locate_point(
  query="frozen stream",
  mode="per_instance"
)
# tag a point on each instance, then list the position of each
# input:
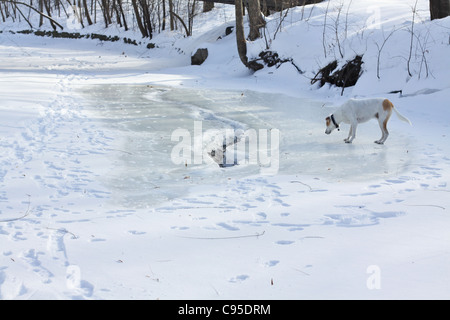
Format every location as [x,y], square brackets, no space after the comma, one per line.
[144,120]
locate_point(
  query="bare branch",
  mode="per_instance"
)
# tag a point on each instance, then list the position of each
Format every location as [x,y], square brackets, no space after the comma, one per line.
[39,12]
[182,22]
[412,37]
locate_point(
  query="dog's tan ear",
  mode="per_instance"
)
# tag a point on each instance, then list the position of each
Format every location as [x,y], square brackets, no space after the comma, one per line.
[327,119]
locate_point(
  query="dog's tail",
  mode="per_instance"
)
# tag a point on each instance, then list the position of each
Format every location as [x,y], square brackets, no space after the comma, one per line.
[403,118]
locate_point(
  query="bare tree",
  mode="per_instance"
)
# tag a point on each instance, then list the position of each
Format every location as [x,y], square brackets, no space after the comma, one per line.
[86,12]
[146,15]
[119,3]
[414,11]
[105,10]
[336,30]
[380,48]
[16,3]
[139,19]
[324,31]
[191,6]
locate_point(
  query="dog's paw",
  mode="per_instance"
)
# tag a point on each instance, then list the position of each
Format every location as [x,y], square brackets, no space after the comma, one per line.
[348,141]
[379,142]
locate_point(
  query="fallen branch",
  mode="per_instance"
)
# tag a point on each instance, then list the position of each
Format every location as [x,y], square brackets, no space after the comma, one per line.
[271,58]
[21,217]
[199,207]
[425,205]
[306,185]
[182,22]
[257,235]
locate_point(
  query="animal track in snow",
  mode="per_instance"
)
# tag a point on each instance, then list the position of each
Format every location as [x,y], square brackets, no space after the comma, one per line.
[239,278]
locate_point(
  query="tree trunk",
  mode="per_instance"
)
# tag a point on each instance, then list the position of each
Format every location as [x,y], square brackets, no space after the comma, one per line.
[138,19]
[47,7]
[191,15]
[146,17]
[172,25]
[3,16]
[119,2]
[80,13]
[106,16]
[256,19]
[86,12]
[240,37]
[164,15]
[207,6]
[41,9]
[439,9]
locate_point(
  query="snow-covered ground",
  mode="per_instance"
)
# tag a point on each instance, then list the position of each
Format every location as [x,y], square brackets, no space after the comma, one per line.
[93,207]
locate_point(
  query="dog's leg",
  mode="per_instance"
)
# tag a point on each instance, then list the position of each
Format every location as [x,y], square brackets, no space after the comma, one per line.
[352,133]
[384,130]
[381,140]
[349,135]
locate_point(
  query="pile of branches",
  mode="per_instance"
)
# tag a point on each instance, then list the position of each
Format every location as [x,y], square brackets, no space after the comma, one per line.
[344,77]
[271,59]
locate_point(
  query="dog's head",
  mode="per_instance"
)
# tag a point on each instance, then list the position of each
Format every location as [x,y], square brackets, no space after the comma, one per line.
[331,124]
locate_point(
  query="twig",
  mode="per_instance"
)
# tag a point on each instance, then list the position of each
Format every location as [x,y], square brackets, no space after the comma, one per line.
[21,217]
[412,38]
[64,230]
[111,149]
[425,205]
[199,207]
[257,235]
[424,50]
[312,237]
[23,16]
[307,185]
[305,273]
[282,17]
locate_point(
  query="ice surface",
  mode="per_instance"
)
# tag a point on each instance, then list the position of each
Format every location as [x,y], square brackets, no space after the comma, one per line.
[144,118]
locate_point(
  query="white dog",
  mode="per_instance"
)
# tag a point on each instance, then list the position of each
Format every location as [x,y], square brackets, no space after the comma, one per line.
[356,111]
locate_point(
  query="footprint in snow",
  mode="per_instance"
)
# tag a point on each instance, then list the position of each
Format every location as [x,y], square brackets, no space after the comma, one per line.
[262,215]
[272,263]
[239,278]
[79,289]
[11,287]
[135,232]
[227,226]
[31,258]
[284,242]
